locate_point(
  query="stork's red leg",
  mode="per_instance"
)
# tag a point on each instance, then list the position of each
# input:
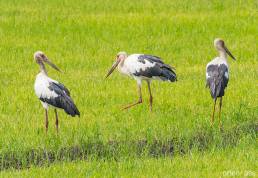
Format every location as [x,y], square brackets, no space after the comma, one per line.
[56,121]
[212,116]
[46,121]
[151,98]
[138,102]
[220,105]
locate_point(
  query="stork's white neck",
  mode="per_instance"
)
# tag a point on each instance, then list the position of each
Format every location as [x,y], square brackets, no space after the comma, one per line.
[43,68]
[223,54]
[122,68]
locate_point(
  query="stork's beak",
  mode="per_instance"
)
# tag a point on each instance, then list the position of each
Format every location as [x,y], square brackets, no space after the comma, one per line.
[113,68]
[229,53]
[52,64]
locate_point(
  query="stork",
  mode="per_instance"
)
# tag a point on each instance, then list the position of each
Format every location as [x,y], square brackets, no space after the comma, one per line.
[143,67]
[217,75]
[52,93]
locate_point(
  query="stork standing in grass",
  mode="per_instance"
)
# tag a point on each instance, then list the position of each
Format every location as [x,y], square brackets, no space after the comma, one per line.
[51,92]
[217,75]
[143,67]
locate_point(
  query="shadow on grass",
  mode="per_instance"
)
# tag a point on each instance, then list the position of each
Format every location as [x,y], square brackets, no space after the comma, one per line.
[203,139]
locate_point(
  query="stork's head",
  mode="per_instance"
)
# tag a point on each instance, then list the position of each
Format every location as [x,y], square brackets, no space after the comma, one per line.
[220,46]
[120,57]
[40,58]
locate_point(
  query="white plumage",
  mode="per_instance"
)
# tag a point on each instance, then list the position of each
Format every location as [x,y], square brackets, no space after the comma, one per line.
[143,67]
[50,92]
[217,74]
[42,90]
[218,61]
[131,65]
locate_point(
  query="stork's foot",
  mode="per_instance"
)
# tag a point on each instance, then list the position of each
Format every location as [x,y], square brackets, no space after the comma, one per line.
[131,105]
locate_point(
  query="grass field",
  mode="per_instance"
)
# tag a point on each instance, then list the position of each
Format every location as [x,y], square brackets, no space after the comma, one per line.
[82,38]
[237,164]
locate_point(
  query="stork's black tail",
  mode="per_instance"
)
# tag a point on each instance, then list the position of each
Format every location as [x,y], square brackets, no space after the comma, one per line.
[169,74]
[69,107]
[217,88]
[62,100]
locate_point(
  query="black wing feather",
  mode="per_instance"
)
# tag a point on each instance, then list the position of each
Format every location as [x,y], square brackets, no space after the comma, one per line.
[217,81]
[63,100]
[151,58]
[160,69]
[62,87]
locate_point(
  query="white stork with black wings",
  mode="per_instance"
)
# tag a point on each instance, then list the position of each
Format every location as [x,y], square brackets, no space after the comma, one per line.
[51,92]
[143,67]
[217,74]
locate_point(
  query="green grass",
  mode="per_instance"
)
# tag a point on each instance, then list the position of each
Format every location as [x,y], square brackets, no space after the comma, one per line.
[83,37]
[227,163]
